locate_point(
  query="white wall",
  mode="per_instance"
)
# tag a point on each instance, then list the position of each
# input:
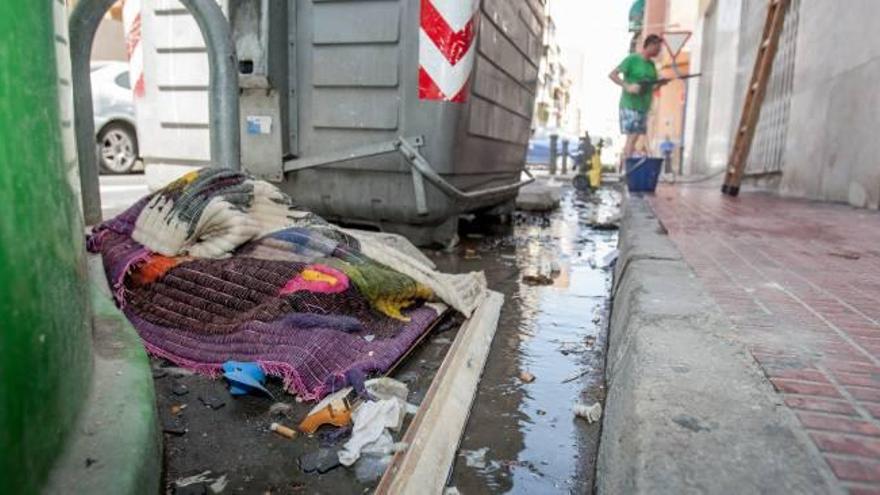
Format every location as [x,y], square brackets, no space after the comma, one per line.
[690,121]
[833,150]
[716,114]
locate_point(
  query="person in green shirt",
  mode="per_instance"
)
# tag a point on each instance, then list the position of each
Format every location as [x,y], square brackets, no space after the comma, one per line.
[635,102]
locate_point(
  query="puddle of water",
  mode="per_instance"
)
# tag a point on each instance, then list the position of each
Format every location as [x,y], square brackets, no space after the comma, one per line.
[526,435]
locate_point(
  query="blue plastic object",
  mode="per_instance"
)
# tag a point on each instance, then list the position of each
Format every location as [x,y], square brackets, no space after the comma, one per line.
[244,378]
[642,173]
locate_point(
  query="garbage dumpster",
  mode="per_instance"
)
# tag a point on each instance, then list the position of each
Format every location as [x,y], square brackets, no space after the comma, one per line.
[394,114]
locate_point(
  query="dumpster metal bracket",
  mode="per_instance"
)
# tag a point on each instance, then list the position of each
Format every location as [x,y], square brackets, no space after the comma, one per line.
[421,170]
[347,155]
[410,151]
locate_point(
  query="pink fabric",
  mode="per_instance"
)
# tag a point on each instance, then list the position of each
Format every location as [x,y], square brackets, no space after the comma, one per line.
[300,282]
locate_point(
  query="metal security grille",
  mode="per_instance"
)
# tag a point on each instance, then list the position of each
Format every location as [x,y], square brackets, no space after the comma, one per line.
[768,148]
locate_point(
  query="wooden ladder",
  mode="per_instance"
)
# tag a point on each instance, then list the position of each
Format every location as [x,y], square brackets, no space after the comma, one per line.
[755,96]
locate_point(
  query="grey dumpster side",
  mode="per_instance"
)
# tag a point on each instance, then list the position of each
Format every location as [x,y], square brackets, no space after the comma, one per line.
[358,122]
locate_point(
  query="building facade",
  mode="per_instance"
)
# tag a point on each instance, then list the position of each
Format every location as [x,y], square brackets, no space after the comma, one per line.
[815,137]
[668,114]
[553,98]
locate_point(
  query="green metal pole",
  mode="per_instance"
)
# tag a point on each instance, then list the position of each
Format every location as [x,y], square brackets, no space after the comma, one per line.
[45,350]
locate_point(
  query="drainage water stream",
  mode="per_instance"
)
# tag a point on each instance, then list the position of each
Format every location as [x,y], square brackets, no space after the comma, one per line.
[523,437]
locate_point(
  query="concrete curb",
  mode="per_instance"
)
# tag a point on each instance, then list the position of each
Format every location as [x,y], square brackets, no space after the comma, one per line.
[688,410]
[115,447]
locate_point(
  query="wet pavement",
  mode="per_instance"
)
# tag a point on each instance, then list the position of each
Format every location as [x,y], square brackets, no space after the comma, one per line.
[521,437]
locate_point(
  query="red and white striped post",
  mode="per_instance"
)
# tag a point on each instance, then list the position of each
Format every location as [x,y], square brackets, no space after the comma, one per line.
[447,48]
[131,22]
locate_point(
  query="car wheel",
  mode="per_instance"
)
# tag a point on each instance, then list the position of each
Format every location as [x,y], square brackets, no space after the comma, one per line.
[117,148]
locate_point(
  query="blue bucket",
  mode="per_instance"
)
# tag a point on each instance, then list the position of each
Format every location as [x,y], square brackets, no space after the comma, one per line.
[642,173]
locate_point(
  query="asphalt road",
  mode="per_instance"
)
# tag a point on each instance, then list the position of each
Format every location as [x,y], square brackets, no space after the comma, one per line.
[118,192]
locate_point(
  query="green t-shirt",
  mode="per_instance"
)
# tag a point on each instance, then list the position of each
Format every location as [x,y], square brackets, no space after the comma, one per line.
[636,69]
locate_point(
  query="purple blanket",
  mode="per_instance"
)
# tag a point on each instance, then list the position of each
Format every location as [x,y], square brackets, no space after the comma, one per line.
[283,301]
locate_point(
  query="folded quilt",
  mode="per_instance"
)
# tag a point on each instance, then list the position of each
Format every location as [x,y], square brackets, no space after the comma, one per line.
[220,266]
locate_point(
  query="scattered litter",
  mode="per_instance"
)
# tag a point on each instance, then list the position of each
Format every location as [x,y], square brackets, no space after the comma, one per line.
[590,413]
[203,477]
[179,389]
[219,484]
[610,223]
[849,255]
[387,388]
[280,409]
[471,254]
[337,413]
[475,458]
[177,409]
[212,402]
[541,273]
[322,461]
[526,377]
[244,378]
[376,457]
[370,422]
[609,259]
[576,376]
[569,347]
[331,437]
[408,377]
[370,468]
[283,430]
[441,341]
[175,429]
[342,394]
[369,338]
[380,446]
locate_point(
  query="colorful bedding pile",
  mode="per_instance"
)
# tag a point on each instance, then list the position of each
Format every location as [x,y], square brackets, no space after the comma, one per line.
[220,266]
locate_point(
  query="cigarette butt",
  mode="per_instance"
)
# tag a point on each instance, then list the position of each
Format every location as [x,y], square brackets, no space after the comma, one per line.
[177,409]
[282,430]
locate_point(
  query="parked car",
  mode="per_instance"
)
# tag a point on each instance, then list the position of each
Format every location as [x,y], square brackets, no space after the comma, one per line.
[116,131]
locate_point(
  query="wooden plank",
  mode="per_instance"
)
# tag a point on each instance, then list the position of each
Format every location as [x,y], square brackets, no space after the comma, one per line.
[436,430]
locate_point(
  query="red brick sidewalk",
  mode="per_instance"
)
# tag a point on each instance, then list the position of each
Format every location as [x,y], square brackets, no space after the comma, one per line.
[801,283]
